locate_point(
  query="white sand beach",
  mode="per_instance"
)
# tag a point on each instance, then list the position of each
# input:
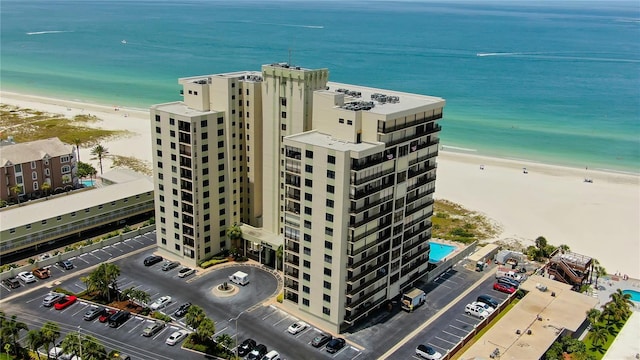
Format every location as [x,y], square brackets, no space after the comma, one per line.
[600,219]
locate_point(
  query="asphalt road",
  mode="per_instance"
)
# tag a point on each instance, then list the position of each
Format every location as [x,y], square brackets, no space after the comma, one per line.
[264,324]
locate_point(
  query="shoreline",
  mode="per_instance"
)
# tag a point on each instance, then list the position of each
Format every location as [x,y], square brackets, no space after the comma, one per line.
[598,219]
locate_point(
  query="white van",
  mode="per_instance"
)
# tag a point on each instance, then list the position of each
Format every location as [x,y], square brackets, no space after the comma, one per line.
[239,278]
[271,355]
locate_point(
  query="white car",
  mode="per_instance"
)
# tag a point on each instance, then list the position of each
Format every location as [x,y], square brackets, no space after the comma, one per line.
[297,327]
[427,352]
[488,308]
[184,272]
[176,337]
[51,298]
[27,277]
[476,311]
[160,303]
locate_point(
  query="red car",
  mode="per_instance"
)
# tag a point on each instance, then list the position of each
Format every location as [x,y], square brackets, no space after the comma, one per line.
[64,302]
[504,288]
[106,315]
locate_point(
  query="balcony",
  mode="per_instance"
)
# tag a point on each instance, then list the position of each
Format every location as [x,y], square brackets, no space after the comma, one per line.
[368,190]
[292,180]
[421,230]
[291,284]
[379,276]
[185,150]
[420,195]
[293,154]
[418,170]
[356,224]
[292,259]
[389,129]
[292,272]
[362,312]
[364,179]
[382,263]
[422,180]
[379,251]
[293,209]
[410,210]
[407,247]
[362,300]
[293,247]
[354,209]
[360,164]
[185,162]
[295,195]
[423,158]
[291,167]
[418,220]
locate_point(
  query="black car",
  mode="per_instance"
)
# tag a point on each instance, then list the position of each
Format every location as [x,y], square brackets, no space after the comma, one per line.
[65,264]
[246,347]
[257,353]
[93,313]
[321,339]
[335,344]
[488,300]
[153,259]
[182,310]
[509,281]
[11,283]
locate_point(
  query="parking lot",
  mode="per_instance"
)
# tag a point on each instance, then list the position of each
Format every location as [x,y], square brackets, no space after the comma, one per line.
[451,326]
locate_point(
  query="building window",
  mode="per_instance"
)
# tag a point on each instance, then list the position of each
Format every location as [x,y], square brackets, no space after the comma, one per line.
[327,271]
[172,133]
[158,131]
[330,189]
[284,114]
[35,185]
[307,210]
[307,251]
[331,174]
[172,121]
[306,276]
[158,142]
[283,101]
[307,224]
[328,245]
[47,172]
[34,176]
[64,159]
[349,122]
[326,310]
[305,289]
[157,117]
[205,136]
[65,169]
[306,263]
[28,226]
[328,231]
[307,237]
[331,159]
[33,165]
[327,285]
[203,123]
[283,127]
[341,121]
[329,217]
[328,258]
[305,302]
[329,203]
[308,197]
[308,168]
[308,154]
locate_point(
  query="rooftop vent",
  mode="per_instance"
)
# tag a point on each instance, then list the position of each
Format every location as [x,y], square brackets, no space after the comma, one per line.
[383,98]
[359,105]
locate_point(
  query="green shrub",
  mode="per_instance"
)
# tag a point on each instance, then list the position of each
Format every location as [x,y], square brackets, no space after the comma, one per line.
[126,229]
[212,262]
[32,260]
[160,316]
[280,297]
[63,291]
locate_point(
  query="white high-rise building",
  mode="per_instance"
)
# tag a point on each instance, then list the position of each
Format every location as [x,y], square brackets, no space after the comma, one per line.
[341,175]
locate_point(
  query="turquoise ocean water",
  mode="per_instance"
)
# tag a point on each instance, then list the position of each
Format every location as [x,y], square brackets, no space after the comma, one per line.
[548,81]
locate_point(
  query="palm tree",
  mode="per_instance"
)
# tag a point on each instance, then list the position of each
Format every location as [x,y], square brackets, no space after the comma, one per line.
[598,335]
[234,233]
[594,264]
[99,152]
[205,329]
[17,190]
[11,331]
[46,187]
[92,349]
[564,247]
[621,299]
[103,280]
[226,341]
[195,315]
[34,339]
[593,316]
[136,296]
[279,256]
[72,344]
[600,271]
[77,142]
[50,332]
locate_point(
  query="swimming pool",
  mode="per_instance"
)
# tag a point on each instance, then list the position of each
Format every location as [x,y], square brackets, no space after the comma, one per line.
[439,251]
[635,295]
[88,183]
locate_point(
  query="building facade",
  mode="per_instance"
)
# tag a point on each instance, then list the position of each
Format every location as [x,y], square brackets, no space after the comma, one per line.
[32,164]
[341,175]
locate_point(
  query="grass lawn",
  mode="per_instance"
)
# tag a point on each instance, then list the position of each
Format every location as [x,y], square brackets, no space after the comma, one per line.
[4,356]
[486,328]
[599,352]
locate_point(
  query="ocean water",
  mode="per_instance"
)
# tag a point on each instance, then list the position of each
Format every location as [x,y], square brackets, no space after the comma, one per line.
[548,81]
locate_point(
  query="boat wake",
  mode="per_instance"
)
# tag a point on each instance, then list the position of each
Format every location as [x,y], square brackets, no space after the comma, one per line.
[287,25]
[48,32]
[552,56]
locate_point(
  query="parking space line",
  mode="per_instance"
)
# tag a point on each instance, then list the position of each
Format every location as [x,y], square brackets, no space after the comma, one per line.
[81,309]
[221,331]
[464,322]
[281,320]
[266,317]
[135,327]
[447,341]
[454,335]
[457,328]
[160,333]
[80,258]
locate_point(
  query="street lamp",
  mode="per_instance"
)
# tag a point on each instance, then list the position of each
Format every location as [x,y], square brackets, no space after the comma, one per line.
[236,320]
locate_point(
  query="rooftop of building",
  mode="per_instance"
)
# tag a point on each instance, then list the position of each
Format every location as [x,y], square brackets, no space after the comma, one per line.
[260,234]
[62,204]
[381,101]
[317,138]
[545,313]
[20,153]
[180,108]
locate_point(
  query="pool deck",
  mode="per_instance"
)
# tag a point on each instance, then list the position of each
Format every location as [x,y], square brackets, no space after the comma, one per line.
[457,247]
[626,344]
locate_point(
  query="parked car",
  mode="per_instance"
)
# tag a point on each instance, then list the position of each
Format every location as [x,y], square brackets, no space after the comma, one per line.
[297,327]
[153,328]
[56,351]
[509,281]
[271,355]
[11,283]
[184,272]
[93,313]
[257,352]
[504,288]
[427,352]
[170,265]
[335,345]
[476,311]
[321,339]
[182,310]
[42,273]
[160,303]
[104,317]
[153,259]
[65,264]
[176,337]
[246,347]
[64,302]
[118,318]
[488,300]
[26,277]
[51,299]
[484,306]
